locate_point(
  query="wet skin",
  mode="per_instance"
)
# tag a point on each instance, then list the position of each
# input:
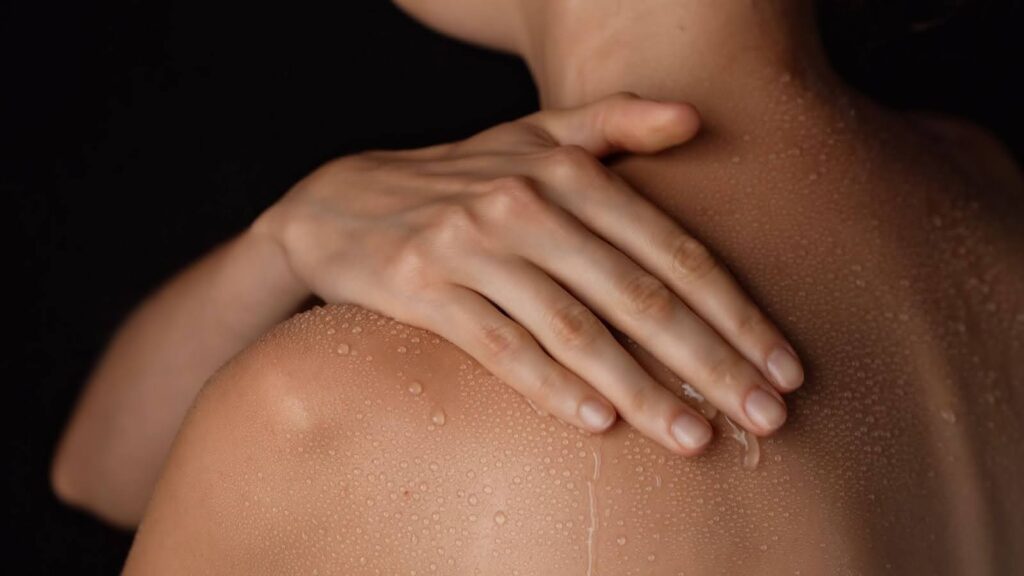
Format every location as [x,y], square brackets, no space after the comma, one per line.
[886,248]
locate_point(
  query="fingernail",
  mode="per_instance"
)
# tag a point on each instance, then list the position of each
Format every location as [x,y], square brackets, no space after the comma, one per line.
[596,414]
[690,431]
[764,409]
[785,369]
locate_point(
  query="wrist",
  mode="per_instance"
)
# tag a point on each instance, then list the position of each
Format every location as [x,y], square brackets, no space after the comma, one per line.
[264,243]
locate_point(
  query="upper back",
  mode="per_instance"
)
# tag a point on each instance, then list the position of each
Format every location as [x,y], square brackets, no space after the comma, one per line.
[346,442]
[892,256]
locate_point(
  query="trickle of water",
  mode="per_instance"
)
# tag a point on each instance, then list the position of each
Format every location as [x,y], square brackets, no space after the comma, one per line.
[438,417]
[705,407]
[342,349]
[751,446]
[415,388]
[500,518]
[592,528]
[752,455]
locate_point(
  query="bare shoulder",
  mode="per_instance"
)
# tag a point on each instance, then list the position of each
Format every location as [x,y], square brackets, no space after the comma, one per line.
[280,462]
[976,148]
[346,442]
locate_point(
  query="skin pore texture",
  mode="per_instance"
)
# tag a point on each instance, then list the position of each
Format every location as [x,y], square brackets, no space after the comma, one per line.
[883,243]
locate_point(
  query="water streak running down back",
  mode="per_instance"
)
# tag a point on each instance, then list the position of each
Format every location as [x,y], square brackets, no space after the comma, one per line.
[594,519]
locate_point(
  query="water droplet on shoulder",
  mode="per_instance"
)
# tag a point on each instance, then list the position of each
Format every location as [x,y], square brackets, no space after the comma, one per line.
[438,417]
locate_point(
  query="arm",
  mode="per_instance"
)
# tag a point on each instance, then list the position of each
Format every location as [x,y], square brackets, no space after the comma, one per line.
[510,244]
[114,446]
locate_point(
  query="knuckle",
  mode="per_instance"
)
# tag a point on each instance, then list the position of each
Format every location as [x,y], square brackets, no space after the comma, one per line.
[504,339]
[454,223]
[411,265]
[752,321]
[515,197]
[574,325]
[722,370]
[639,400]
[691,260]
[546,388]
[645,295]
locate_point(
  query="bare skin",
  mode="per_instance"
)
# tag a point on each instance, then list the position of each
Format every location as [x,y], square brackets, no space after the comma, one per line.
[887,247]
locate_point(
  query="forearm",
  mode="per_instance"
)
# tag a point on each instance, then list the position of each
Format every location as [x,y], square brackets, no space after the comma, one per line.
[114,446]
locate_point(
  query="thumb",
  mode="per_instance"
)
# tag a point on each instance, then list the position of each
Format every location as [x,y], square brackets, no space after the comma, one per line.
[621,122]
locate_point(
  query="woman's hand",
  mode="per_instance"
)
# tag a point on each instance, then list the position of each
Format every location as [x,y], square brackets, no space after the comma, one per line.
[511,244]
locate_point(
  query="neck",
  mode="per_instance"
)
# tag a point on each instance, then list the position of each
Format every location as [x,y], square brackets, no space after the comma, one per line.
[715,54]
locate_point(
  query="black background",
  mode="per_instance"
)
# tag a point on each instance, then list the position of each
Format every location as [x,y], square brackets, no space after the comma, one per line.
[138,134]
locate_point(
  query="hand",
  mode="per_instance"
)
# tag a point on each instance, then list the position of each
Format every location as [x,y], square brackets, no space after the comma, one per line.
[512,243]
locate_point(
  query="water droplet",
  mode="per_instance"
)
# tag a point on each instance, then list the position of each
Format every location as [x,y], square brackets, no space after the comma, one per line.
[500,517]
[415,388]
[473,499]
[342,349]
[330,331]
[438,417]
[948,415]
[621,540]
[402,349]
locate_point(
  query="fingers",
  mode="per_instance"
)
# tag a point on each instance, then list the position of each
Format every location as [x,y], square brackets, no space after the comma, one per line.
[620,122]
[610,208]
[573,336]
[613,210]
[508,351]
[642,307]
